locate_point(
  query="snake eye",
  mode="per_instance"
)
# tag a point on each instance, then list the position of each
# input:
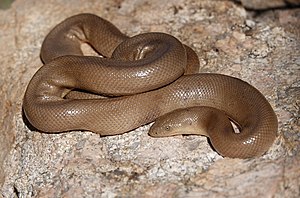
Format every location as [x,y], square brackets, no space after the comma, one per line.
[167,128]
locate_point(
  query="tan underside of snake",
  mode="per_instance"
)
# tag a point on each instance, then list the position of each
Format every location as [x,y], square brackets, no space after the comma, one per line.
[145,72]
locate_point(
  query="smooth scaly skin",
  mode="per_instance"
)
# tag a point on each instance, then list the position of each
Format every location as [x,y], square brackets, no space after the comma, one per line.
[210,122]
[48,107]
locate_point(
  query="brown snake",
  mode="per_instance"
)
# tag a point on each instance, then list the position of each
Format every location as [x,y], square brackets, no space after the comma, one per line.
[144,74]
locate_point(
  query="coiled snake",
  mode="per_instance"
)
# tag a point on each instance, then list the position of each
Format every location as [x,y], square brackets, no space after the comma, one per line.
[143,80]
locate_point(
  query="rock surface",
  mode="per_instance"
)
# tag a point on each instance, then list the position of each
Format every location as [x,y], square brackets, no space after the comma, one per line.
[261,49]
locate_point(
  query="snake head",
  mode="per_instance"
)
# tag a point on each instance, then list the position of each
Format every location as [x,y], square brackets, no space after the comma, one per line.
[177,122]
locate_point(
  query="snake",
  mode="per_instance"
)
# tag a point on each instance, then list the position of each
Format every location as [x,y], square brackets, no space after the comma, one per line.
[133,81]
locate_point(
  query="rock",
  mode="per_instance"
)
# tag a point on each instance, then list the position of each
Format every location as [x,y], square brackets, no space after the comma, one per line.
[262,50]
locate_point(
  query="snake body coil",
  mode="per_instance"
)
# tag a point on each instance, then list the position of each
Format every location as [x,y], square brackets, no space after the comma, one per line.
[146,73]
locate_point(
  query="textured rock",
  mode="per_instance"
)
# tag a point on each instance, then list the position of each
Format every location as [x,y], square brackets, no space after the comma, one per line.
[260,49]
